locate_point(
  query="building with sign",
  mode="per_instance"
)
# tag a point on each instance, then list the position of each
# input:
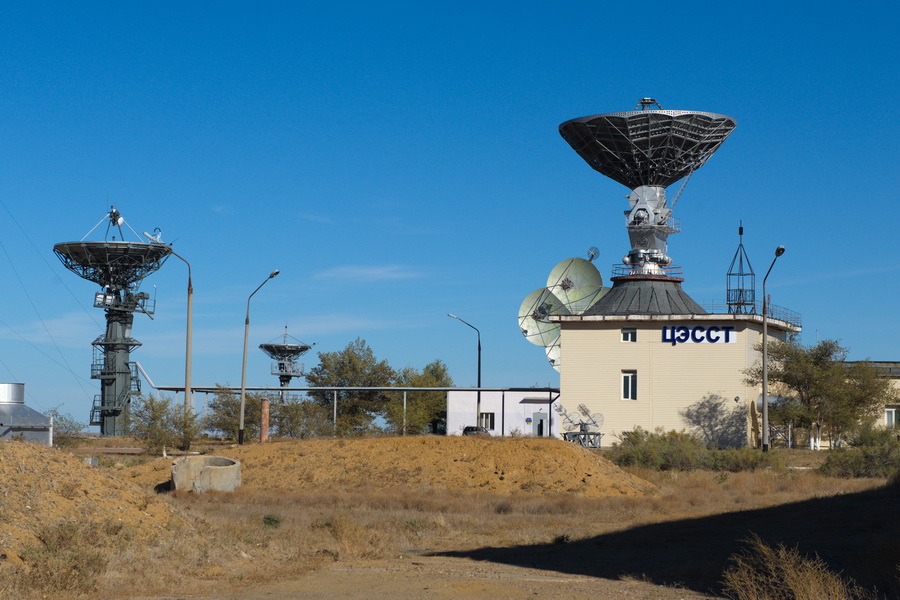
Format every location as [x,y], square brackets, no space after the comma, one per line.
[670,371]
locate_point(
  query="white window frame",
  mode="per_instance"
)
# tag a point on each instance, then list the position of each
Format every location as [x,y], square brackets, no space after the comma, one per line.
[628,384]
[486,420]
[629,334]
[890,418]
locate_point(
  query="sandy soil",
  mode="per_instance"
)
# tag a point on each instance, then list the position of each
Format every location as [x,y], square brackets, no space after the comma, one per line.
[498,466]
[43,485]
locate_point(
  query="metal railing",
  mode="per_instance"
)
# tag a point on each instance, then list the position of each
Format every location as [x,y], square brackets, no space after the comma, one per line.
[648,269]
[774,311]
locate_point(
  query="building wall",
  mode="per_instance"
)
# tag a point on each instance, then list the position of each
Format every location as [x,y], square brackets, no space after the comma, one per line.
[690,385]
[35,435]
[513,413]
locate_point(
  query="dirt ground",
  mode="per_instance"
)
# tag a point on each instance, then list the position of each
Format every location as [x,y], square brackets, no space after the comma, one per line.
[441,579]
[668,559]
[43,485]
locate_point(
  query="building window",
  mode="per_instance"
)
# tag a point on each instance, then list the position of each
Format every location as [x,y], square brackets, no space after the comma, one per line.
[486,420]
[629,385]
[629,334]
[890,418]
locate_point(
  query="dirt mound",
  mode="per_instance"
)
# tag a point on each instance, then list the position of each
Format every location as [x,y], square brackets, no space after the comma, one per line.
[43,485]
[499,466]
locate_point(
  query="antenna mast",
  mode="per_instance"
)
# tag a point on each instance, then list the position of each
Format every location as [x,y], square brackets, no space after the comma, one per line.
[741,281]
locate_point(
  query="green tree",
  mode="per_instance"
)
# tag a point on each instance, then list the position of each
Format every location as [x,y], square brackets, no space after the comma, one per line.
[867,392]
[301,418]
[188,425]
[224,413]
[425,411]
[66,428]
[788,413]
[354,366]
[829,393]
[153,421]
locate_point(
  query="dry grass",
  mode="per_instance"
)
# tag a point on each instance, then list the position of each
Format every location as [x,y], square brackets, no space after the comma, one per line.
[262,534]
[762,572]
[350,525]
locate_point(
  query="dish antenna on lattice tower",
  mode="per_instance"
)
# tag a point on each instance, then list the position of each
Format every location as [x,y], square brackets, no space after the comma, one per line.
[118,267]
[285,356]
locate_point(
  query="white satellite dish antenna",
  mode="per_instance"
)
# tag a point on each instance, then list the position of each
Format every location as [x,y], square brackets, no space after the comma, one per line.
[554,352]
[571,422]
[534,316]
[574,286]
[593,252]
[577,284]
[589,421]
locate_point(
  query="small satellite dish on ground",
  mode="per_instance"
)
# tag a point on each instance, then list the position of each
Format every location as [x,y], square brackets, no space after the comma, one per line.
[582,427]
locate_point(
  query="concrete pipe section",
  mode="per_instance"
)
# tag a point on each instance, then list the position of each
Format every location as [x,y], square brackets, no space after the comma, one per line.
[203,473]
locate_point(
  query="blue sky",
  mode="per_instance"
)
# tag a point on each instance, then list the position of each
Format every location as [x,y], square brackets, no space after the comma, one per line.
[400,161]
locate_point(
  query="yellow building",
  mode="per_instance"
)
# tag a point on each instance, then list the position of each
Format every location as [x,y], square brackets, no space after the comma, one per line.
[674,371]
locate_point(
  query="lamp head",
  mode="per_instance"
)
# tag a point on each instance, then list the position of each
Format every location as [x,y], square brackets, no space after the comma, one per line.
[779,251]
[276,272]
[452,316]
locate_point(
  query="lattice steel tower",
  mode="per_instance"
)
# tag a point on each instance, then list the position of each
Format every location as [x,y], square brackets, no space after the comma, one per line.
[118,267]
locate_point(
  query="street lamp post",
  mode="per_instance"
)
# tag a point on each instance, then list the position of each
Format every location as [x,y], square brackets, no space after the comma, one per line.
[188,336]
[188,405]
[478,393]
[244,363]
[765,356]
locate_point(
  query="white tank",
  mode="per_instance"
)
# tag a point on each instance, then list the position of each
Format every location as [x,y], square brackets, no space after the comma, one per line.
[12,393]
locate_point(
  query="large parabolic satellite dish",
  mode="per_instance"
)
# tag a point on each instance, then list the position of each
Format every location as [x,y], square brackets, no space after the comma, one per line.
[574,285]
[647,150]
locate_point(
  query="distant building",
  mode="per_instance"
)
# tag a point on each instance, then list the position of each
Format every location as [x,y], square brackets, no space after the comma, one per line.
[505,413]
[17,421]
[890,370]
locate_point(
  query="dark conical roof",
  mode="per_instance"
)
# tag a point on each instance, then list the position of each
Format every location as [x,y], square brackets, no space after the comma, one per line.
[646,297]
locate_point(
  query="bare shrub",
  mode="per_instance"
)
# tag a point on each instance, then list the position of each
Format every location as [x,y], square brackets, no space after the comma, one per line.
[71,558]
[762,572]
[863,461]
[681,451]
[354,539]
